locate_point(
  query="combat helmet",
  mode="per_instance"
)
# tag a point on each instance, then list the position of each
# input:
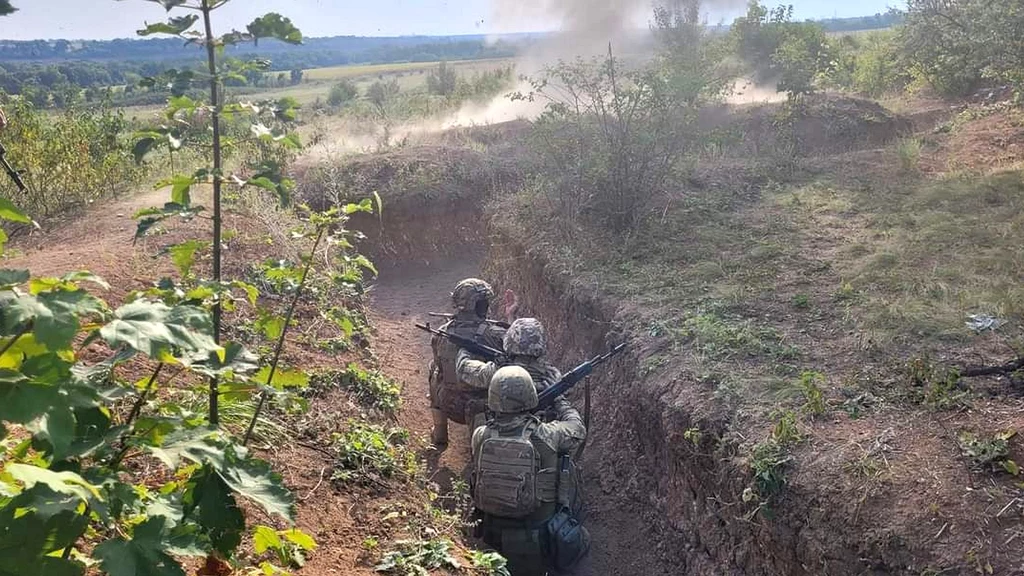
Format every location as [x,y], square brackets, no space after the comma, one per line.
[469,293]
[511,391]
[525,337]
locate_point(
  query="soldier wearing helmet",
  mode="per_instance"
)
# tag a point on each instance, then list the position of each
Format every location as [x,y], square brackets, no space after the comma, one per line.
[525,345]
[449,400]
[524,481]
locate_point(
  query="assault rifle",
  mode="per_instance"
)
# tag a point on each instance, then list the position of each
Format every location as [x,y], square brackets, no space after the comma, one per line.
[10,170]
[472,346]
[547,396]
[447,316]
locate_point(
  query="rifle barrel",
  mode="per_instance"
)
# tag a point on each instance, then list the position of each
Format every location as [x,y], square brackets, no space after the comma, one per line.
[11,172]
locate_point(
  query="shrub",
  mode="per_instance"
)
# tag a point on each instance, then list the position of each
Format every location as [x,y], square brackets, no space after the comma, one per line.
[68,159]
[342,93]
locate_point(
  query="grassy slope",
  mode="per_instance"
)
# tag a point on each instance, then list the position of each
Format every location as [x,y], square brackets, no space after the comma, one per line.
[861,267]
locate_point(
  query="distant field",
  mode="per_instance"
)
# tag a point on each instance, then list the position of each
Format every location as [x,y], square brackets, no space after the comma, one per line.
[374,70]
[317,82]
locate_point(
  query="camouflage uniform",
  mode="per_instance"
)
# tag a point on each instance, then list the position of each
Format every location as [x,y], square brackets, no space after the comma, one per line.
[525,345]
[448,398]
[524,540]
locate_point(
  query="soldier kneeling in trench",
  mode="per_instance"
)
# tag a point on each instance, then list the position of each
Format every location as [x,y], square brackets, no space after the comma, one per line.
[448,398]
[524,480]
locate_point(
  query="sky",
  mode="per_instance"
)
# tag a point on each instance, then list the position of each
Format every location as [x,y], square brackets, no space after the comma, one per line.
[105,19]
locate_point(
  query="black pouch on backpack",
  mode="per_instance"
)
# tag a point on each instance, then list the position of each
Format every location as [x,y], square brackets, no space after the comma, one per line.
[568,540]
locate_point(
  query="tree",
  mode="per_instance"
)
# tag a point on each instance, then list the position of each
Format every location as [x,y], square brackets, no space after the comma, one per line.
[795,54]
[957,44]
[342,93]
[6,8]
[443,80]
[380,93]
[296,76]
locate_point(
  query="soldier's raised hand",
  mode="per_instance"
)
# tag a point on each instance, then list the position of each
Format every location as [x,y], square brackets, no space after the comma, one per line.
[511,305]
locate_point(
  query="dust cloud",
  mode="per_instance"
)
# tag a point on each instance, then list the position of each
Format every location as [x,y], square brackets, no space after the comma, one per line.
[577,28]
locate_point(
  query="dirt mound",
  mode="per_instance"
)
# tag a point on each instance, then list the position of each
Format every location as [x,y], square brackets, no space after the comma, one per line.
[818,124]
[441,187]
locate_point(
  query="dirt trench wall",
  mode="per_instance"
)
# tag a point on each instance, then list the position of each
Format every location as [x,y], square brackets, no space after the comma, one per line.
[658,504]
[640,469]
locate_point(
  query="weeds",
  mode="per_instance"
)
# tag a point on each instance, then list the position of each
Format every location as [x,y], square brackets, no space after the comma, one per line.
[814,398]
[290,547]
[371,388]
[938,387]
[418,557]
[801,301]
[721,338]
[908,151]
[489,563]
[989,453]
[769,458]
[369,453]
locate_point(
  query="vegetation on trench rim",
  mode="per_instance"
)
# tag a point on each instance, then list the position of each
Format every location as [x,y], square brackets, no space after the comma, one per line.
[69,488]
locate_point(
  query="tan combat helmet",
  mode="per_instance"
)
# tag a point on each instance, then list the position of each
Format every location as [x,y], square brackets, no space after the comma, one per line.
[511,391]
[469,293]
[526,337]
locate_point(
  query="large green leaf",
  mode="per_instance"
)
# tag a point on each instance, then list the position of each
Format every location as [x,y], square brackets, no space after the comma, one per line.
[282,379]
[54,315]
[174,26]
[255,480]
[273,25]
[184,255]
[250,477]
[218,512]
[8,211]
[143,555]
[158,330]
[34,524]
[60,482]
[236,361]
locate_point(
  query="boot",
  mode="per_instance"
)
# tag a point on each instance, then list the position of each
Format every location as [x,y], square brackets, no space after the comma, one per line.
[439,433]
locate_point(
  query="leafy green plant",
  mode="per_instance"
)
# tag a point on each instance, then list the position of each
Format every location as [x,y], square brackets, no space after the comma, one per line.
[418,557]
[814,398]
[67,480]
[908,150]
[370,453]
[489,563]
[939,387]
[989,453]
[289,547]
[769,458]
[801,301]
[68,160]
[267,175]
[372,388]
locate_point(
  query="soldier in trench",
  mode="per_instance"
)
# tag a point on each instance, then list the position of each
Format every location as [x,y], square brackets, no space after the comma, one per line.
[525,483]
[525,345]
[449,399]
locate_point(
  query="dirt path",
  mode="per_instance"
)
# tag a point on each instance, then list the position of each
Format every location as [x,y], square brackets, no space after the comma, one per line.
[99,240]
[403,296]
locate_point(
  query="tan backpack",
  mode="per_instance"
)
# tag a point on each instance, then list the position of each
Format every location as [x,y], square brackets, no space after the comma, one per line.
[507,469]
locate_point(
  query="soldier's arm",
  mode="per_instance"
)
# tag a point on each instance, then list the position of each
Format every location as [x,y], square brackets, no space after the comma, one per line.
[567,430]
[473,372]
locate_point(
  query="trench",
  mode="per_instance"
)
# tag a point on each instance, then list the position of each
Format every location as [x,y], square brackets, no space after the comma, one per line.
[417,272]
